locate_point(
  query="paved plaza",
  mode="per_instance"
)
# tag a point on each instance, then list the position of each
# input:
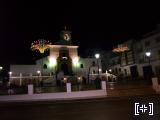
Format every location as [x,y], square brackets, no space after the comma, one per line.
[117,108]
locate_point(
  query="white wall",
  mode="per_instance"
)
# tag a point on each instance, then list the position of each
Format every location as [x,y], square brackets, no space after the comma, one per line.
[24,69]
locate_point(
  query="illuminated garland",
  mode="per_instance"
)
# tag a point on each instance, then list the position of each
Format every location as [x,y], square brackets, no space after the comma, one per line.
[121,48]
[40,45]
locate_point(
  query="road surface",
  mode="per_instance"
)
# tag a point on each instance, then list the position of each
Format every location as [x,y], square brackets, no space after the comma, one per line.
[118,108]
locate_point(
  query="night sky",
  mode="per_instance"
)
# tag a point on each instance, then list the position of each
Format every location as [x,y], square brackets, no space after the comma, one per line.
[93,25]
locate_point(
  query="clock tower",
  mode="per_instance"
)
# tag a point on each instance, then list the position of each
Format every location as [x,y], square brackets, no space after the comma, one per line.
[64,53]
[65,37]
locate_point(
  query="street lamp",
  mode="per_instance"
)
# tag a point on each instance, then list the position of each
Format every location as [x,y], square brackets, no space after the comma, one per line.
[1,68]
[97,56]
[148,55]
[110,70]
[38,72]
[39,75]
[10,73]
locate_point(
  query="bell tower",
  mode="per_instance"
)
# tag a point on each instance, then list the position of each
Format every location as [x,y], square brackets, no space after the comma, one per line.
[65,37]
[64,53]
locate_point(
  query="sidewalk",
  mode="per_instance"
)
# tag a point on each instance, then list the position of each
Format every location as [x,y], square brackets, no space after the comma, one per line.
[129,90]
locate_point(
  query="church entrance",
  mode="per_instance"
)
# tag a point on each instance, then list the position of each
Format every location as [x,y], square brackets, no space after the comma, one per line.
[64,62]
[64,68]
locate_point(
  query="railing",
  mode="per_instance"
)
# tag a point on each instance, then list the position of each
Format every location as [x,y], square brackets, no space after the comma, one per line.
[24,80]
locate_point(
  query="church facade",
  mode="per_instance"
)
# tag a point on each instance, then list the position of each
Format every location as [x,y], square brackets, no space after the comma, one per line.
[63,57]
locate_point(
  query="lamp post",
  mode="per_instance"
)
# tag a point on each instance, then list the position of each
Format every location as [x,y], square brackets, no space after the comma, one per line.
[97,56]
[1,76]
[148,55]
[39,75]
[10,75]
[1,68]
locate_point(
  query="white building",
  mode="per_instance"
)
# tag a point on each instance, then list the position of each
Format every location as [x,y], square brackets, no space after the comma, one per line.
[63,56]
[135,62]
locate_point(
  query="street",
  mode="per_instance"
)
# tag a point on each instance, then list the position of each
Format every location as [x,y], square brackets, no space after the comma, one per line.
[117,108]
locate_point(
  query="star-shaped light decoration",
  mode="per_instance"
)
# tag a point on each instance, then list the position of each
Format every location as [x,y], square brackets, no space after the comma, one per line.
[40,45]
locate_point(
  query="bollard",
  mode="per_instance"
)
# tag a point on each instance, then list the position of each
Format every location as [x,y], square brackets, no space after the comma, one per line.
[155,83]
[103,85]
[68,87]
[30,89]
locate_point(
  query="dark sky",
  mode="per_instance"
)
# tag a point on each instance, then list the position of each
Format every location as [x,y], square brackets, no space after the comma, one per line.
[93,25]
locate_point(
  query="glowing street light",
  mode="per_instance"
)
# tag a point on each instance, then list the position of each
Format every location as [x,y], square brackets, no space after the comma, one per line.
[1,67]
[110,70]
[148,55]
[65,79]
[38,71]
[10,73]
[97,56]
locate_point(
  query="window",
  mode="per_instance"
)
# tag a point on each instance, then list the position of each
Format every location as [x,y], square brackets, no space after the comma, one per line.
[94,71]
[113,62]
[44,66]
[116,70]
[157,39]
[125,71]
[139,50]
[81,65]
[64,55]
[93,63]
[147,43]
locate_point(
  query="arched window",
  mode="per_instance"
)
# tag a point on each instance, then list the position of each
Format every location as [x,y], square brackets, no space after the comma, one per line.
[44,66]
[81,65]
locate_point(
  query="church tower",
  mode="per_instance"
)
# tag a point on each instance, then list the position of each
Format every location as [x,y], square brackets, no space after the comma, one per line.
[65,37]
[64,53]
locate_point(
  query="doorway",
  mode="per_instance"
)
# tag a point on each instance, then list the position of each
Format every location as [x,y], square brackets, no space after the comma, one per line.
[64,62]
[147,73]
[134,71]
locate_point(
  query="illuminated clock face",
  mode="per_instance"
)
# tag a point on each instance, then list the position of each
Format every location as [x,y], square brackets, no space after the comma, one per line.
[66,37]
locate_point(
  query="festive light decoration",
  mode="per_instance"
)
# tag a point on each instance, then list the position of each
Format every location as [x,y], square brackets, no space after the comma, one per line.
[121,48]
[40,45]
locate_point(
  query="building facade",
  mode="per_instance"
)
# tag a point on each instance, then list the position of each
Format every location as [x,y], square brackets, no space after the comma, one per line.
[63,57]
[142,58]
